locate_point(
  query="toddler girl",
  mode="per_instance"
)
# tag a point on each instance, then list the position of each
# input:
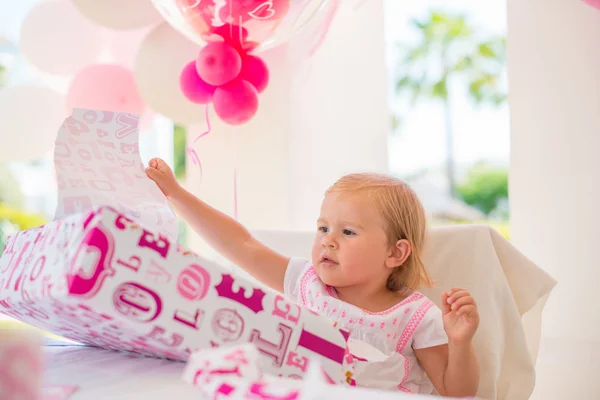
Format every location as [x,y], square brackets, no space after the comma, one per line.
[365,269]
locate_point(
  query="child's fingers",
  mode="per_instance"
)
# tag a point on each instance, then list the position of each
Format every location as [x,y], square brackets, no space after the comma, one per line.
[152,173]
[454,290]
[463,301]
[457,295]
[469,309]
[445,305]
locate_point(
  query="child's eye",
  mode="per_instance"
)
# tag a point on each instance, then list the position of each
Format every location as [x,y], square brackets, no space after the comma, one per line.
[323,229]
[348,232]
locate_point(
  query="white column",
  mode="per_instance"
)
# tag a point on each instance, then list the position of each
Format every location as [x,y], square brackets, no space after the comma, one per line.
[316,121]
[554,75]
[341,118]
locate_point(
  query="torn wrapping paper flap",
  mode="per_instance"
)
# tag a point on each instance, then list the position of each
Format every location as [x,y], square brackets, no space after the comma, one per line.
[372,368]
[97,162]
[103,279]
[384,374]
[363,350]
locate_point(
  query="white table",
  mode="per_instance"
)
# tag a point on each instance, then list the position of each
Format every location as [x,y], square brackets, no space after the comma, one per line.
[105,374]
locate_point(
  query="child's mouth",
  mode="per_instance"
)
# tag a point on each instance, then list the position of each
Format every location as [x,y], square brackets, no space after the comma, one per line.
[328,261]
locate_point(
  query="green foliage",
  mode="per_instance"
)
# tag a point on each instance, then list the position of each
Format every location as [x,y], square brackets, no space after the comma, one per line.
[179,150]
[449,47]
[503,227]
[3,75]
[21,219]
[179,161]
[484,187]
[10,191]
[15,219]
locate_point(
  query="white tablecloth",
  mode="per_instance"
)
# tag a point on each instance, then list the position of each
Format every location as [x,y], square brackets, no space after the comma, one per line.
[105,374]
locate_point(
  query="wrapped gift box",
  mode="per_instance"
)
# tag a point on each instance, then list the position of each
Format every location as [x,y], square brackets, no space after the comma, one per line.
[103,279]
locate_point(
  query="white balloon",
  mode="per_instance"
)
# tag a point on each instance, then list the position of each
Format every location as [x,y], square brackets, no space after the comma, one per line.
[119,14]
[57,39]
[30,117]
[161,57]
[124,46]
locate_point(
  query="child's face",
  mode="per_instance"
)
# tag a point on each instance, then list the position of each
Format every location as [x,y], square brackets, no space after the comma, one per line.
[351,246]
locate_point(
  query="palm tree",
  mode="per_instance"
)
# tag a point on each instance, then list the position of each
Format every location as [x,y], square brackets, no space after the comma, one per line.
[450,50]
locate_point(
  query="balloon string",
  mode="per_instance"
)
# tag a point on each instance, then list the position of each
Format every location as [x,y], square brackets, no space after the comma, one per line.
[328,20]
[235,186]
[190,150]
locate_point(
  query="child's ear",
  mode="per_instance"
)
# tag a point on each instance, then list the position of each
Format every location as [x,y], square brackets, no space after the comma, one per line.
[398,254]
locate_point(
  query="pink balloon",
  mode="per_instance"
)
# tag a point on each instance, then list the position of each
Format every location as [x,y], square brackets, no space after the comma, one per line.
[105,87]
[231,33]
[236,102]
[193,87]
[255,71]
[218,63]
[593,3]
[235,36]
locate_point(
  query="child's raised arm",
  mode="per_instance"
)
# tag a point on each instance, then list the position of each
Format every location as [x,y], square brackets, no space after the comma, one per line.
[223,233]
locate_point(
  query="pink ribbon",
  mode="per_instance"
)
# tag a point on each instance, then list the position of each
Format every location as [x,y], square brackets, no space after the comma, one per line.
[190,150]
[194,156]
[327,24]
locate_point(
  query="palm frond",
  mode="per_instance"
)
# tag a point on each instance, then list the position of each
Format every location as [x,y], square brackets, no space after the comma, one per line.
[440,88]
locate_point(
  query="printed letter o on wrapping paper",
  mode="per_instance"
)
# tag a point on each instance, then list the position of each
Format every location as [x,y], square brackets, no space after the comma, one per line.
[101,278]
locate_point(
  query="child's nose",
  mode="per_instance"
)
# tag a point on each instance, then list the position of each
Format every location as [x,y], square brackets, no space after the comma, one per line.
[329,241]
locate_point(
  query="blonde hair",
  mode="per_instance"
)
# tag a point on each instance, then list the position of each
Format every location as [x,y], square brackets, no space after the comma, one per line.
[405,217]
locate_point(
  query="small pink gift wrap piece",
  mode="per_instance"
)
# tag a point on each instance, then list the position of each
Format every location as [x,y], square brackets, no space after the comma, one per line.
[233,373]
[20,364]
[102,279]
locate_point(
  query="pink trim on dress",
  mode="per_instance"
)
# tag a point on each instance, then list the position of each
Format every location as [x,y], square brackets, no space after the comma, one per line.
[413,297]
[406,372]
[309,273]
[412,325]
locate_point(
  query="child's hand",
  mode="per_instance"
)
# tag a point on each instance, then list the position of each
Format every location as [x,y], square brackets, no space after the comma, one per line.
[160,172]
[460,316]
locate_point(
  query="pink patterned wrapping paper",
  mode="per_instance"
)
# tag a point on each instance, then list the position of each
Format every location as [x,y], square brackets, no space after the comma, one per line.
[231,373]
[97,162]
[21,364]
[100,278]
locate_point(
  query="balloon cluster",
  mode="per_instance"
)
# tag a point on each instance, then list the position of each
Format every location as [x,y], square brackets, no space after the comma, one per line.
[225,74]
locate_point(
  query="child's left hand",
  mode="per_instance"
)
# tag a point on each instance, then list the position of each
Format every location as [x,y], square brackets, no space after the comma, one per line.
[460,316]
